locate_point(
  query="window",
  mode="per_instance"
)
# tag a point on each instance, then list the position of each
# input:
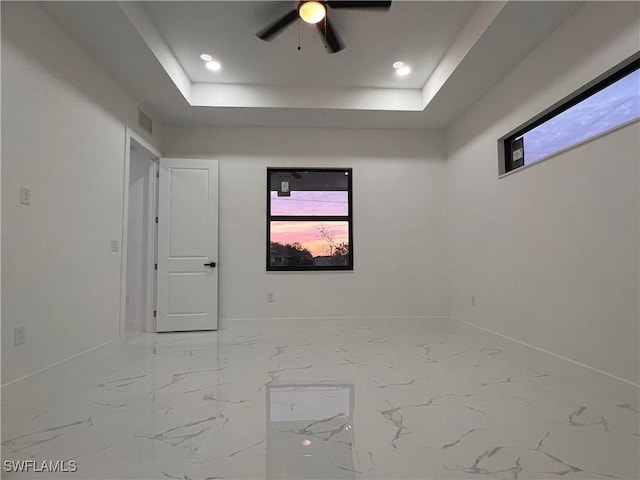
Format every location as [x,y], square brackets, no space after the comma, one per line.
[309,219]
[593,111]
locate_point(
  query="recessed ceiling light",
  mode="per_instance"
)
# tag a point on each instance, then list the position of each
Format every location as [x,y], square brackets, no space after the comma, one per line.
[398,64]
[403,71]
[213,65]
[206,57]
[306,443]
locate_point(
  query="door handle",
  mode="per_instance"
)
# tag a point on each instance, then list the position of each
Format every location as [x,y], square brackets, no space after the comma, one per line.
[212,264]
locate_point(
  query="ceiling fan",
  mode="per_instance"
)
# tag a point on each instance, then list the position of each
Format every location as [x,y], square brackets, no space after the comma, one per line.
[315,12]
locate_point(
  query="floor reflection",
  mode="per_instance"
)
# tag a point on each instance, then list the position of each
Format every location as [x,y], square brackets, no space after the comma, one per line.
[310,431]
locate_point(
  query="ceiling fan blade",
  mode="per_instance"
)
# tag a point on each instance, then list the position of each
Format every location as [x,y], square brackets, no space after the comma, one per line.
[376,5]
[328,33]
[278,26]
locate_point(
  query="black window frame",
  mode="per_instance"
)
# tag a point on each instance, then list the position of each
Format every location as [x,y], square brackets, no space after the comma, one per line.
[315,218]
[507,145]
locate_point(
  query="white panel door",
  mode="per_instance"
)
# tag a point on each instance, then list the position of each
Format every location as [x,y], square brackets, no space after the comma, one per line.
[187,292]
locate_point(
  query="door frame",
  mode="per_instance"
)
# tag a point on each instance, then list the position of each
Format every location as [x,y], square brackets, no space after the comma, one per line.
[134,139]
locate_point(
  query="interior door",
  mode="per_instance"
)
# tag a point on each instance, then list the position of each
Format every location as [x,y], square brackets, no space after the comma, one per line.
[187,282]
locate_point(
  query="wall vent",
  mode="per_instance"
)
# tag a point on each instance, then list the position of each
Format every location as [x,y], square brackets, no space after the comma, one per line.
[145,121]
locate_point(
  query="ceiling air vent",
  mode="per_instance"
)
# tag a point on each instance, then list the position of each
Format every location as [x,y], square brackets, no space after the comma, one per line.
[145,121]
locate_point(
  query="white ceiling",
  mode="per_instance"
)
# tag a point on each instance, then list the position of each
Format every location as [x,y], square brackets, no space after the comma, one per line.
[458,51]
[374,40]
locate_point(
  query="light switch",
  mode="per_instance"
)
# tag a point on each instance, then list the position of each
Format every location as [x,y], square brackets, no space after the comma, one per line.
[115,245]
[25,195]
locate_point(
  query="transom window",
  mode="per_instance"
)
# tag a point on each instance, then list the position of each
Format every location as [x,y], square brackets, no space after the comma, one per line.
[309,219]
[592,111]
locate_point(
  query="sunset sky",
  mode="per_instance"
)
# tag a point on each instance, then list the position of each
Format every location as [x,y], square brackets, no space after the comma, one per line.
[308,233]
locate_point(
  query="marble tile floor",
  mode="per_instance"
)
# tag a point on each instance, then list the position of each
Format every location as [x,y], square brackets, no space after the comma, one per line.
[378,398]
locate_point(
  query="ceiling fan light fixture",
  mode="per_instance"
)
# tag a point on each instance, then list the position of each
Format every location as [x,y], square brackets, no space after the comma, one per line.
[312,12]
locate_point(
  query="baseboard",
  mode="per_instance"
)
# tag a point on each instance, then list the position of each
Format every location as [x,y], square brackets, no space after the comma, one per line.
[134,327]
[58,363]
[575,362]
[270,320]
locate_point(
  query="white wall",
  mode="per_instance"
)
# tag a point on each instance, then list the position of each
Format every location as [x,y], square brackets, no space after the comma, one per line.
[63,132]
[399,181]
[551,253]
[137,241]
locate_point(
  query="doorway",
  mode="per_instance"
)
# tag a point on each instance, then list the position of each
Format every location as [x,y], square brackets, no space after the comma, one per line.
[169,279]
[139,237]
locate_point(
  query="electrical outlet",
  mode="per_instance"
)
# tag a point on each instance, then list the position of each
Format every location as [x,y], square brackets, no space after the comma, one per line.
[25,195]
[473,301]
[19,335]
[115,245]
[271,297]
